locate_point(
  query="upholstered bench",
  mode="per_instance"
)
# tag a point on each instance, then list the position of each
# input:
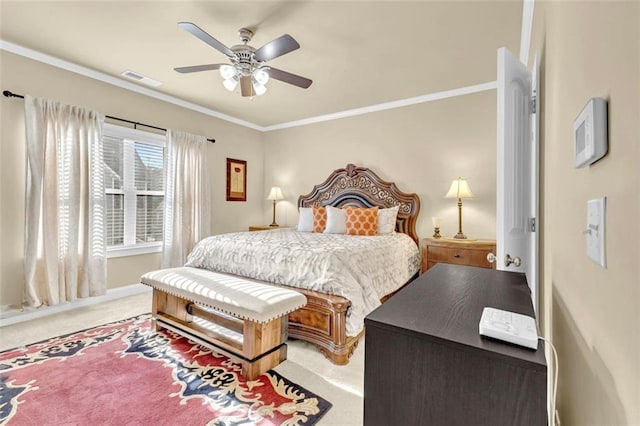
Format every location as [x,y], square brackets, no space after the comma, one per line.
[240,318]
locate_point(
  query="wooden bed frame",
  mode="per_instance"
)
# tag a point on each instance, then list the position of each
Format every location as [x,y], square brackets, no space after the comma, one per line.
[322,321]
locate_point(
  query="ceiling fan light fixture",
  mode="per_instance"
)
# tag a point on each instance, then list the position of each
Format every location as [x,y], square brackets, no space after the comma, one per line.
[230,83]
[259,88]
[228,71]
[261,76]
[247,68]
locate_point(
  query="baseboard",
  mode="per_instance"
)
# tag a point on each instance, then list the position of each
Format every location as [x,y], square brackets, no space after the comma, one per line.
[112,294]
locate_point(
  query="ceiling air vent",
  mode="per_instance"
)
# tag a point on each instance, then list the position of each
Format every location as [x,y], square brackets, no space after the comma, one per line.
[140,78]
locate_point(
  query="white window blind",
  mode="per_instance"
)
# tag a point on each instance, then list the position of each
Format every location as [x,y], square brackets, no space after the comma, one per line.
[134,186]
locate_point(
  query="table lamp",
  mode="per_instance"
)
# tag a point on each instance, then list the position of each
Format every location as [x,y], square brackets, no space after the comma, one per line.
[276,195]
[459,189]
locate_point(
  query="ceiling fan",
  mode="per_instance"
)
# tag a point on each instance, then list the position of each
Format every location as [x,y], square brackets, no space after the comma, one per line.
[247,66]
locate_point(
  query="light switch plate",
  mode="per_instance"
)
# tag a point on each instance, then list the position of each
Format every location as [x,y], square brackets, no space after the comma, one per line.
[595,230]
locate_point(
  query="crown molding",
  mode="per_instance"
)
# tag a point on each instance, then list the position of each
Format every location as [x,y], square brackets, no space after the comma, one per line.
[109,79]
[387,105]
[525,32]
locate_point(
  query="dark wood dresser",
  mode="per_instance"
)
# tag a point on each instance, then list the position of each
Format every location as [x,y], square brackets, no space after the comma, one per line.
[426,364]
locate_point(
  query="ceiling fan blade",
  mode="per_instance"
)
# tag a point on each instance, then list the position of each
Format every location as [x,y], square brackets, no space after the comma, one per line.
[290,78]
[278,47]
[246,86]
[197,68]
[204,36]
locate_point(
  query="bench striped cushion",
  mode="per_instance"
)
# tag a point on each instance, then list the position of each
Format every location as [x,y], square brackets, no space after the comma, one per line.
[240,297]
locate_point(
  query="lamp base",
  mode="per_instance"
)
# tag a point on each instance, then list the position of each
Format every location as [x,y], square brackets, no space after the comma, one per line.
[273,222]
[460,236]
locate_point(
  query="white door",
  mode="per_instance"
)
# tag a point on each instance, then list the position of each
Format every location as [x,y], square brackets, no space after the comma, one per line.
[517,174]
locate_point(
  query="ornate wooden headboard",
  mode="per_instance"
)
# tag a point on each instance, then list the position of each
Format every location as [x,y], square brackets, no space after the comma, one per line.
[359,186]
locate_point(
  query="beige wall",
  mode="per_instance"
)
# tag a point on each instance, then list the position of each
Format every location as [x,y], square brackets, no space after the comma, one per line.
[26,76]
[420,147]
[591,49]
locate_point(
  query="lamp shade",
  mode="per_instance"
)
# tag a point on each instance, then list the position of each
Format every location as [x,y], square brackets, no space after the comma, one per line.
[275,194]
[261,76]
[259,89]
[231,83]
[227,71]
[459,189]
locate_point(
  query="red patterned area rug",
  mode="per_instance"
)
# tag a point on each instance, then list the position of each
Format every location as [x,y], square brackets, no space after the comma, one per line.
[124,373]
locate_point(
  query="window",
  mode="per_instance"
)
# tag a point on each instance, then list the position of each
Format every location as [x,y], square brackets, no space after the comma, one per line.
[134,186]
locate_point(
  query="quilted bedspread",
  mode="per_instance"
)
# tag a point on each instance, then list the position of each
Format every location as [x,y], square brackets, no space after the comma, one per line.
[359,268]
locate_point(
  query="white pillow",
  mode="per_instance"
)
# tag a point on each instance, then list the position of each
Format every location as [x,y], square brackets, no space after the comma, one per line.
[387,220]
[336,221]
[305,219]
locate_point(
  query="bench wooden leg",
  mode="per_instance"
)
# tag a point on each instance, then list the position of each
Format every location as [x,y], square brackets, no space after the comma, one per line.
[264,346]
[166,303]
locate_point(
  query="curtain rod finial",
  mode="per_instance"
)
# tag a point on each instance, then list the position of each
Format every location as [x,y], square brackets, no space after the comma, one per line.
[9,94]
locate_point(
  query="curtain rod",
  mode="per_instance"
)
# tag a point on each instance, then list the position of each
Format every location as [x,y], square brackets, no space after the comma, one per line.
[9,94]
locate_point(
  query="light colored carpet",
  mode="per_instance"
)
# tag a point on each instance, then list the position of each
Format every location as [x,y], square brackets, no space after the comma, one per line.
[341,385]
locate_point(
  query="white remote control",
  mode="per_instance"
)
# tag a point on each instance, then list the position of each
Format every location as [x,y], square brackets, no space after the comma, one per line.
[509,326]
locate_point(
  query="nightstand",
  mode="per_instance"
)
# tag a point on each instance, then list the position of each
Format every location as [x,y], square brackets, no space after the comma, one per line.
[264,227]
[459,252]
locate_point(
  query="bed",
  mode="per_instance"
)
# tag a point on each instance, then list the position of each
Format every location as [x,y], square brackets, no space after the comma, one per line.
[333,317]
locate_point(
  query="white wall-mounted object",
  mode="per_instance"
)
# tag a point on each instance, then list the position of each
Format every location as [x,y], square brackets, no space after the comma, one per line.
[590,133]
[595,231]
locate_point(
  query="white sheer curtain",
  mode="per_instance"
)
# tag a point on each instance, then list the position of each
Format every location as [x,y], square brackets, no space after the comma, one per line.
[187,203]
[65,252]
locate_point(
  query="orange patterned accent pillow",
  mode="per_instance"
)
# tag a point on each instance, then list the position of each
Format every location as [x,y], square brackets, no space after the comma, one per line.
[361,221]
[319,219]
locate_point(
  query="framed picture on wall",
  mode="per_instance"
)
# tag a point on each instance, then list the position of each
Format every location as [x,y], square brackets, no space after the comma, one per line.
[236,180]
